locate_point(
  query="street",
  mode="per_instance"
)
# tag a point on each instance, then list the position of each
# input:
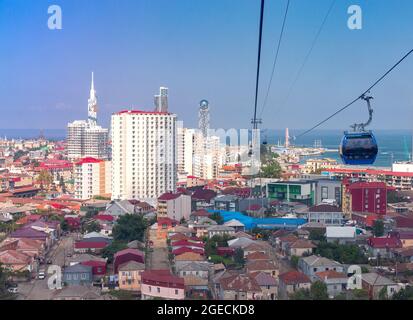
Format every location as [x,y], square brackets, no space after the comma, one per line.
[37,289]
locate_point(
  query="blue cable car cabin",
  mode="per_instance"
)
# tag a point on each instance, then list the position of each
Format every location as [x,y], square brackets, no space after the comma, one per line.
[358,148]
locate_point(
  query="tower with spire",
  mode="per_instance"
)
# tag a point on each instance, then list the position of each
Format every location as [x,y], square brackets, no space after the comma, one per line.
[92,105]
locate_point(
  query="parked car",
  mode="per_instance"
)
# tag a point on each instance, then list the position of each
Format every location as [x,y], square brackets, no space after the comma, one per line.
[13,290]
[41,275]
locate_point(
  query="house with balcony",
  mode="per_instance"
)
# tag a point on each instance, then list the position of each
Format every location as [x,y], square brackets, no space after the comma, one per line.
[302,191]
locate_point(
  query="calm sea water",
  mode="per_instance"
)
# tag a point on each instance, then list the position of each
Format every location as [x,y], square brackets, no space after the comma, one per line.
[394,145]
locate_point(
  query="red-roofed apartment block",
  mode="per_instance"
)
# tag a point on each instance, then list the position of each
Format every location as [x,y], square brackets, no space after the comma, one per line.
[92,178]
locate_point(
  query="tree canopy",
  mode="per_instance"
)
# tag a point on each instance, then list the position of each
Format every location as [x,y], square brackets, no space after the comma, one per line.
[343,253]
[129,227]
[378,228]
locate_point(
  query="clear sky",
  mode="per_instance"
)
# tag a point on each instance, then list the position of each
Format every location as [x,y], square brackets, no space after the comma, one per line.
[202,49]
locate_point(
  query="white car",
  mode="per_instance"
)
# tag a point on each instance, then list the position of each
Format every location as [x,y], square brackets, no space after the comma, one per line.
[41,275]
[13,290]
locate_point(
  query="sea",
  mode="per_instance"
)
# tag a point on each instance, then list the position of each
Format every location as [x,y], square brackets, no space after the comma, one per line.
[394,145]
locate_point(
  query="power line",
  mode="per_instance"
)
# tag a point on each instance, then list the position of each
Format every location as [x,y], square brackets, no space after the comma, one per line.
[297,76]
[276,57]
[254,121]
[359,97]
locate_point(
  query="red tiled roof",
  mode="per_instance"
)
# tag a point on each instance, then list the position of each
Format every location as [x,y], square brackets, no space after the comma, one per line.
[294,277]
[187,243]
[204,194]
[384,242]
[90,245]
[181,250]
[104,217]
[169,196]
[162,278]
[371,172]
[135,252]
[330,274]
[94,263]
[88,160]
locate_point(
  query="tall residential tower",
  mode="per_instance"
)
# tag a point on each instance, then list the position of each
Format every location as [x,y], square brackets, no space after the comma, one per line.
[86,138]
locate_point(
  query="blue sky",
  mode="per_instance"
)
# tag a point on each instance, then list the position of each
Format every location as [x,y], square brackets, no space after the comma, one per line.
[202,49]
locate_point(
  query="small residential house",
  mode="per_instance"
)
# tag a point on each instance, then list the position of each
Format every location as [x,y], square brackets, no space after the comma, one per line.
[290,282]
[336,282]
[164,226]
[78,274]
[383,246]
[220,230]
[266,266]
[300,247]
[130,275]
[239,287]
[313,264]
[341,234]
[126,255]
[17,261]
[374,283]
[267,283]
[162,284]
[237,225]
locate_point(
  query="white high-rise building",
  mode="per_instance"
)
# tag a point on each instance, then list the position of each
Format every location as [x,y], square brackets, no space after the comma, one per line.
[208,156]
[144,154]
[92,178]
[86,138]
[185,152]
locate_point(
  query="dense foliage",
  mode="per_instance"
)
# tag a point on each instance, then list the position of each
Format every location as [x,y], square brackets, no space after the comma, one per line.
[343,253]
[378,228]
[129,227]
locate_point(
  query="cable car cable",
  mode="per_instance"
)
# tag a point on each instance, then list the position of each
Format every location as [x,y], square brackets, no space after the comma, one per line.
[359,97]
[255,123]
[276,56]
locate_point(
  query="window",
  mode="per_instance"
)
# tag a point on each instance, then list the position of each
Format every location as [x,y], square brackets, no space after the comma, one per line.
[176,292]
[83,276]
[324,193]
[158,290]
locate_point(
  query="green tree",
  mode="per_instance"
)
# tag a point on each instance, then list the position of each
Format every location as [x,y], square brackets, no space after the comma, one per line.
[317,235]
[4,294]
[301,294]
[404,294]
[45,178]
[294,261]
[216,216]
[92,226]
[111,249]
[271,169]
[360,294]
[383,294]
[239,256]
[64,226]
[129,227]
[378,228]
[318,291]
[343,253]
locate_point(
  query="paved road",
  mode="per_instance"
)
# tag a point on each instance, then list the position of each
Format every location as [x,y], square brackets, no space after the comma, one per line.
[158,258]
[38,289]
